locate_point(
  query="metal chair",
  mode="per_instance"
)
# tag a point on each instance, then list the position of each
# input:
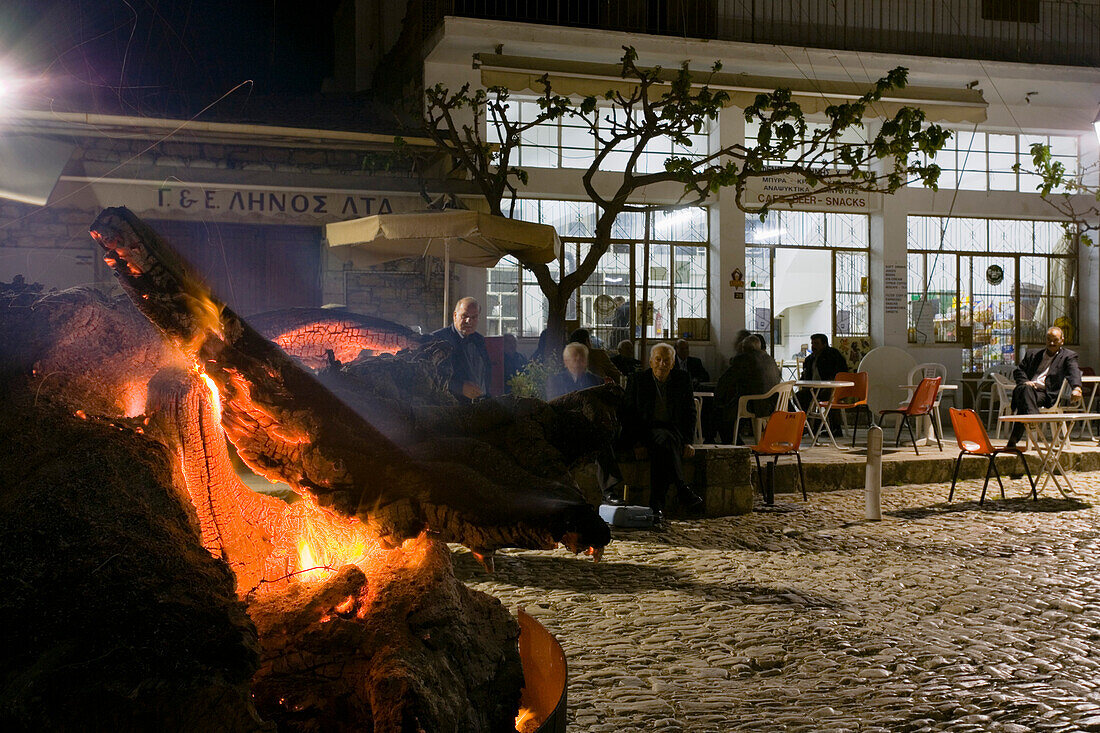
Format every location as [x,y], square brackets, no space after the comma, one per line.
[782,393]
[782,436]
[973,440]
[921,405]
[930,369]
[851,398]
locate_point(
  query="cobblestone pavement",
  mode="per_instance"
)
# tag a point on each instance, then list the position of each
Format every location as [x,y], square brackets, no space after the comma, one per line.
[804,617]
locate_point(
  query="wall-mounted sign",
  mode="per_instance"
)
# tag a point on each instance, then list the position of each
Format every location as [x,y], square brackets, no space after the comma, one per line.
[224,202]
[767,190]
[994,275]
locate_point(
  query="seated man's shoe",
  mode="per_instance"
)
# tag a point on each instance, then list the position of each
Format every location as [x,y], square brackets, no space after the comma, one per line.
[691,501]
[610,497]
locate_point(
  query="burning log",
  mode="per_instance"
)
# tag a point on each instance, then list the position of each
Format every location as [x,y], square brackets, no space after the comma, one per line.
[309,333]
[286,426]
[391,641]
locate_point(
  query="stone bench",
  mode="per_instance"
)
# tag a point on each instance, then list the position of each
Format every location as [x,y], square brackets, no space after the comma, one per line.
[721,474]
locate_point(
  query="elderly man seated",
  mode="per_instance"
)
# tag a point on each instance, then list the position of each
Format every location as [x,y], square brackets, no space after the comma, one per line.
[574,378]
[752,371]
[659,416]
[1039,378]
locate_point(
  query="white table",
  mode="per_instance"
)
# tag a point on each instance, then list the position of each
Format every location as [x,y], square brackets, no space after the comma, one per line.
[817,411]
[1050,442]
[1095,382]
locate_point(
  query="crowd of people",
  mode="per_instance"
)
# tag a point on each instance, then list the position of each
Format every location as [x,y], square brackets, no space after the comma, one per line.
[658,417]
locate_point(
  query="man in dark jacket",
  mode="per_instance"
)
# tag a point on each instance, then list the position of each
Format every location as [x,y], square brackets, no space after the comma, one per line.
[823,364]
[752,371]
[470,365]
[574,378]
[693,365]
[660,417]
[1039,378]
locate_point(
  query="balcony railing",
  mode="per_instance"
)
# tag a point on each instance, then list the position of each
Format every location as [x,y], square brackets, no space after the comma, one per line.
[1066,32]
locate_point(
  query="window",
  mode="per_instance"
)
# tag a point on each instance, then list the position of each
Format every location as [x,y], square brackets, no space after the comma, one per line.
[787,298]
[853,135]
[568,143]
[990,285]
[979,161]
[677,290]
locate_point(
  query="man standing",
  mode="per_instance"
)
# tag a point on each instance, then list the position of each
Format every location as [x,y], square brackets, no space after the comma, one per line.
[660,420]
[823,364]
[470,365]
[1039,379]
[693,365]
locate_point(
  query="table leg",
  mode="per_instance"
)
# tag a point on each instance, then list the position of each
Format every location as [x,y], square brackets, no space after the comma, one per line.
[1049,450]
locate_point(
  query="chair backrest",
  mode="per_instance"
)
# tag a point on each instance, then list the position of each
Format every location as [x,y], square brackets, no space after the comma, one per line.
[969,432]
[1005,369]
[853,395]
[784,432]
[924,396]
[927,369]
[1003,384]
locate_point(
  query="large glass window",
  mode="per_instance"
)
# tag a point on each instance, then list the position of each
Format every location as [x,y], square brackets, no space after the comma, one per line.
[568,143]
[979,161]
[673,282]
[807,273]
[990,285]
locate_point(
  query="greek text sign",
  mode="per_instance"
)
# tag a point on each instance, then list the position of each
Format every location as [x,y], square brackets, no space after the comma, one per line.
[228,202]
[767,189]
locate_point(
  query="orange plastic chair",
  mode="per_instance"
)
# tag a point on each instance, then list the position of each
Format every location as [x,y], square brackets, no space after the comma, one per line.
[851,398]
[973,440]
[782,436]
[921,405]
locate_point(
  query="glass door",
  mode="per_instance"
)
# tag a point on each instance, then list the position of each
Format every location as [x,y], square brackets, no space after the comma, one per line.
[988,315]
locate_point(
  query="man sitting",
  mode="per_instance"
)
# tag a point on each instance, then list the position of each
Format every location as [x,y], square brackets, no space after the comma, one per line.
[660,416]
[1039,379]
[624,359]
[471,369]
[693,365]
[752,371]
[574,378]
[823,364]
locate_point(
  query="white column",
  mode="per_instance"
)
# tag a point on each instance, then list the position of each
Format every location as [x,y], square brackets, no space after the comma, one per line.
[727,227]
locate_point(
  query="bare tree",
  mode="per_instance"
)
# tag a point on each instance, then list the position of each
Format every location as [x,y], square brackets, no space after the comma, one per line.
[481,132]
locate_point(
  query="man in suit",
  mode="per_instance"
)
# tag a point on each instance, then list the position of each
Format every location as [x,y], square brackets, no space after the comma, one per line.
[823,364]
[598,361]
[659,414]
[693,365]
[574,378]
[471,369]
[1039,378]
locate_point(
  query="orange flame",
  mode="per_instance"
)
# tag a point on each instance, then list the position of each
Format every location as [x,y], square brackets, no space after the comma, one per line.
[215,395]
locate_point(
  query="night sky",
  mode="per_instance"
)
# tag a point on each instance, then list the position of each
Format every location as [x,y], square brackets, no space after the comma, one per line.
[165,56]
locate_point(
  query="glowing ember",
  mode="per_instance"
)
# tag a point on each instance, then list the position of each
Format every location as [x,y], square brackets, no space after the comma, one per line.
[215,396]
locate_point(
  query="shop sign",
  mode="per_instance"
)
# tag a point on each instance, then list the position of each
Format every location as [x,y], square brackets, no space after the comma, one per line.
[766,189]
[171,200]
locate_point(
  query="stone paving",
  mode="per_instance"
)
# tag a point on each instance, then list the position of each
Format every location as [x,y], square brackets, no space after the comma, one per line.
[805,617]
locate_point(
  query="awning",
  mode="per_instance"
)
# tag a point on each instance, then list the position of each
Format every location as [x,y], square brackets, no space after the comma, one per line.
[30,165]
[940,104]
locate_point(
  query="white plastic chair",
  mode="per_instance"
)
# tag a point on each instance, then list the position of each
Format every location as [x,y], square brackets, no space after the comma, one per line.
[1002,388]
[998,399]
[923,371]
[698,438]
[1065,401]
[783,398]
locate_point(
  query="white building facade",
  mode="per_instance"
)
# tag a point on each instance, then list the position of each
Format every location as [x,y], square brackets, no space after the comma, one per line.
[967,276]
